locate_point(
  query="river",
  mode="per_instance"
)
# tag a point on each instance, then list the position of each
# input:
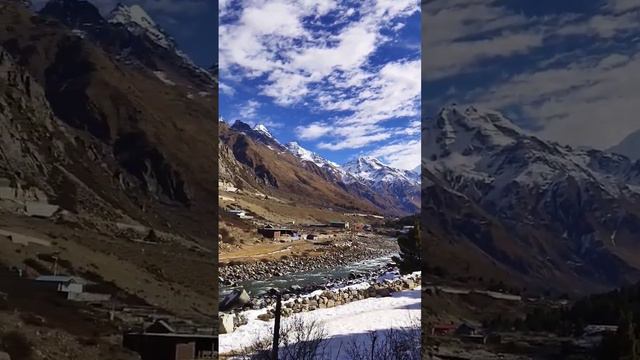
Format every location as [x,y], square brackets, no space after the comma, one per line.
[317,277]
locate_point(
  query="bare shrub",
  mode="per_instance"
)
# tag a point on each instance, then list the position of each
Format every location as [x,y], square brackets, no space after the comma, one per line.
[226,236]
[300,339]
[391,344]
[303,340]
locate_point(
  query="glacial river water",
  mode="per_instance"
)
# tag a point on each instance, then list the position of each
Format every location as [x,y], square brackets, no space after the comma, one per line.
[313,277]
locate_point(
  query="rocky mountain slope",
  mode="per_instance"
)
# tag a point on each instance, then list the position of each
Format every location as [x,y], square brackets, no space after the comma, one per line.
[130,34]
[501,199]
[103,162]
[262,162]
[108,127]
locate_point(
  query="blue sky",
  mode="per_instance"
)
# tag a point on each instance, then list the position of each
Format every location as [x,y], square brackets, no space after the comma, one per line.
[568,70]
[192,23]
[342,78]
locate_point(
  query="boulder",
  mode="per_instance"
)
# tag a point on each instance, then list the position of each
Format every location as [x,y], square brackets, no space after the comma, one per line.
[226,323]
[237,298]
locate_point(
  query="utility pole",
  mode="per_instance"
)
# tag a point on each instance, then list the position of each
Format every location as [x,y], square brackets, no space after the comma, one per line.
[276,327]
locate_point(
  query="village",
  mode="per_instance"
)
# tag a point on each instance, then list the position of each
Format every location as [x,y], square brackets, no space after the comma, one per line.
[469,323]
[51,278]
[313,231]
[147,330]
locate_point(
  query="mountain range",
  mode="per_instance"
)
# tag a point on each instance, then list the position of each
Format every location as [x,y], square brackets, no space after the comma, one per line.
[254,158]
[503,203]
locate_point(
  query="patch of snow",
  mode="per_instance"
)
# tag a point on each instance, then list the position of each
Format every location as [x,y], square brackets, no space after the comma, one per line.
[136,20]
[343,324]
[369,169]
[307,155]
[163,77]
[262,129]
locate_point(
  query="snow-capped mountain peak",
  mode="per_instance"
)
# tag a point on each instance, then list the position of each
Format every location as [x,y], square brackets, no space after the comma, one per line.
[307,155]
[472,127]
[262,129]
[136,20]
[370,169]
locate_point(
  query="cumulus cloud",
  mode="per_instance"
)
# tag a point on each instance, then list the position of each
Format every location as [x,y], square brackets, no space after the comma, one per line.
[313,131]
[597,95]
[324,55]
[580,95]
[402,155]
[459,35]
[249,110]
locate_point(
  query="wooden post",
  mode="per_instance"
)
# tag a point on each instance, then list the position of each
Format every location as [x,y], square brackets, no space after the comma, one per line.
[276,328]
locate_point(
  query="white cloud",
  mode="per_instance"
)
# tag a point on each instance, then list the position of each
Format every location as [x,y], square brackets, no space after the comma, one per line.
[458,57]
[604,26]
[581,97]
[592,101]
[402,155]
[301,61]
[313,131]
[226,89]
[269,38]
[354,141]
[249,111]
[620,6]
[458,35]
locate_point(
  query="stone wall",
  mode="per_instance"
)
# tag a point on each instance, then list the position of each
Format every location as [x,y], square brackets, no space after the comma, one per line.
[329,299]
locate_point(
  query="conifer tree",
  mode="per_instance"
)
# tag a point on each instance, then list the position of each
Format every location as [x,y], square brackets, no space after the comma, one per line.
[409,259]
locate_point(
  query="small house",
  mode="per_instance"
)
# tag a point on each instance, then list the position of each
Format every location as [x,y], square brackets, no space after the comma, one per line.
[477,338]
[161,341]
[318,225]
[339,224]
[275,233]
[238,213]
[466,330]
[62,283]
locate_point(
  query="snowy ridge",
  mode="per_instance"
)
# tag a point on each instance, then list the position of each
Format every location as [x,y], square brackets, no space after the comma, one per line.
[484,149]
[369,169]
[262,129]
[136,20]
[308,155]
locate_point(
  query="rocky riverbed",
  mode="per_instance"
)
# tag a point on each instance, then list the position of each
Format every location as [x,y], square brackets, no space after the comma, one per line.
[336,256]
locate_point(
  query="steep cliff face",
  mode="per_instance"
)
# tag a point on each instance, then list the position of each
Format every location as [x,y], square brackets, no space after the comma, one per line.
[88,126]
